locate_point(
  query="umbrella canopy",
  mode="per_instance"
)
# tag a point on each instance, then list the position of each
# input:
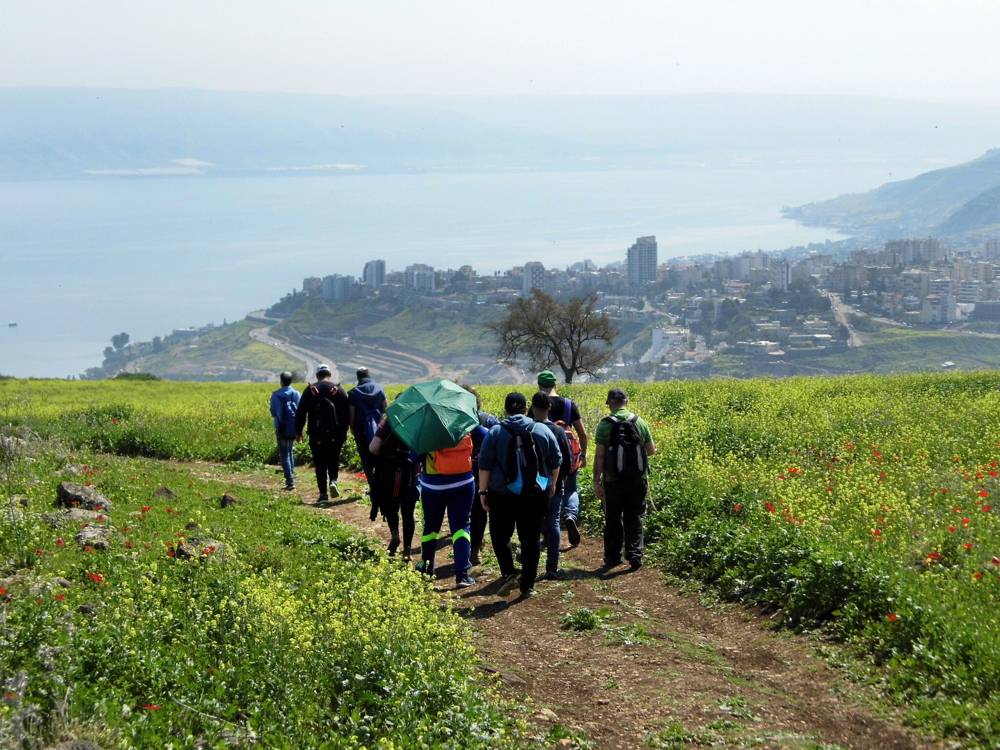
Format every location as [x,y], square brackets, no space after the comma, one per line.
[433,415]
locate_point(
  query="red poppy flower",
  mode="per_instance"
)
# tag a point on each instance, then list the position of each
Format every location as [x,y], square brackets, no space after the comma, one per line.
[87,548]
[146,508]
[952,529]
[892,617]
[987,508]
[793,469]
[983,493]
[965,521]
[60,543]
[769,507]
[737,507]
[3,591]
[150,707]
[208,550]
[931,556]
[169,509]
[171,553]
[876,533]
[977,576]
[129,544]
[956,509]
[967,546]
[95,577]
[59,597]
[943,490]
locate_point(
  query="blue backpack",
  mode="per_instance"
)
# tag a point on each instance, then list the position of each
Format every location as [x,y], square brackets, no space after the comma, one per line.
[286,415]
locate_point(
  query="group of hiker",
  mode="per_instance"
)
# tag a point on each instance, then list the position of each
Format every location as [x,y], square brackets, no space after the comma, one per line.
[516,473]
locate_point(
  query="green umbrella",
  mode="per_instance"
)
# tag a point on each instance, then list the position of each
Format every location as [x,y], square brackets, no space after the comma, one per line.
[433,415]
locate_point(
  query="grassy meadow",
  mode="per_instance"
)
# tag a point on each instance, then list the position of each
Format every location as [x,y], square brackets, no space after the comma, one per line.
[859,507]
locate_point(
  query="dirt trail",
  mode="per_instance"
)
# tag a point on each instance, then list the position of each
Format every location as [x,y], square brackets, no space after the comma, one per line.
[662,664]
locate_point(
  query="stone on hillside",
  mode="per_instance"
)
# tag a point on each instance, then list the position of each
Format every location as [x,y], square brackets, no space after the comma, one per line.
[201,548]
[165,492]
[98,537]
[61,582]
[70,515]
[11,514]
[87,609]
[228,500]
[74,470]
[71,495]
[23,500]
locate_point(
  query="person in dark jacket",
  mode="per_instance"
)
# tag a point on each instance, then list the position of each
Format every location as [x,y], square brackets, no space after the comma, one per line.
[394,485]
[479,515]
[284,405]
[368,403]
[540,404]
[324,409]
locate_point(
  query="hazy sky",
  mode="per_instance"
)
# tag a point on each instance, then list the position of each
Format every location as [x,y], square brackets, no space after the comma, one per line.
[919,49]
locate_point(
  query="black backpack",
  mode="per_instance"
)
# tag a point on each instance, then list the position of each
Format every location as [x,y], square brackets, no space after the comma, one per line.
[626,457]
[521,464]
[327,419]
[395,471]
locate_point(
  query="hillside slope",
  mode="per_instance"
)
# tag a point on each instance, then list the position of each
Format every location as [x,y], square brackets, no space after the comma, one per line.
[916,206]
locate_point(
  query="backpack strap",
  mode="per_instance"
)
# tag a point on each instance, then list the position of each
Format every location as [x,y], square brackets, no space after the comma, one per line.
[568,410]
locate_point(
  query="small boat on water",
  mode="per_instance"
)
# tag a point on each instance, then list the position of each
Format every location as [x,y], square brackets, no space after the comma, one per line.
[12,324]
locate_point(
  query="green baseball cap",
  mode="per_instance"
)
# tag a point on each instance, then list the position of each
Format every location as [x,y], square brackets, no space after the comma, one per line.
[546,379]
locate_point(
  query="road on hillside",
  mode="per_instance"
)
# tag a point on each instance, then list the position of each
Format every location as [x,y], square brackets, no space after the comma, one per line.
[309,358]
[841,314]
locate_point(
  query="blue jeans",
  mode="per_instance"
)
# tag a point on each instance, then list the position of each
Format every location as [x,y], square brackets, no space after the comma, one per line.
[571,498]
[285,458]
[552,531]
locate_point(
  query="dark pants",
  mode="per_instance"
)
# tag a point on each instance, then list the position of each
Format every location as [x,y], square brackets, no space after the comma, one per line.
[457,502]
[478,524]
[525,514]
[624,507]
[326,457]
[392,508]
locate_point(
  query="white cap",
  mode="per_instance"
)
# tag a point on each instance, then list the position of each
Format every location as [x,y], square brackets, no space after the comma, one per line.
[323,370]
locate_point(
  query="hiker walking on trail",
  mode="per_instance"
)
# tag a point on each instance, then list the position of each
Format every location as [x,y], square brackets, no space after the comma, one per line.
[367,403]
[518,471]
[284,405]
[324,408]
[540,403]
[479,515]
[621,465]
[394,485]
[566,414]
[447,485]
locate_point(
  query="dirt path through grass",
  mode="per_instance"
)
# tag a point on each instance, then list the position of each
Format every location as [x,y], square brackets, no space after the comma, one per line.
[658,669]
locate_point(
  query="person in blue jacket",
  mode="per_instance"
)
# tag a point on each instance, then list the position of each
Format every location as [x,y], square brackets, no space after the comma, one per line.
[368,403]
[284,406]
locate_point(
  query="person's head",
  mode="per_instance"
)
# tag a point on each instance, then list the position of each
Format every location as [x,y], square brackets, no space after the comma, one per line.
[286,378]
[540,405]
[515,403]
[363,374]
[474,392]
[323,372]
[617,398]
[546,380]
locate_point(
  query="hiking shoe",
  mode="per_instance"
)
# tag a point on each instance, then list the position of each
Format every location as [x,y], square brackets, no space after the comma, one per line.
[608,564]
[393,545]
[289,487]
[425,569]
[334,492]
[323,499]
[635,564]
[509,584]
[474,558]
[408,553]
[463,582]
[528,594]
[552,575]
[373,514]
[572,531]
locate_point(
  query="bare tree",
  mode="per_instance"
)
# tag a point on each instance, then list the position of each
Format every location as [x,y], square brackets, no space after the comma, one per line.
[573,336]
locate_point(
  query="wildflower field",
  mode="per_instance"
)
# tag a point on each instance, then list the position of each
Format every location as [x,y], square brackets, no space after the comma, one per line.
[859,507]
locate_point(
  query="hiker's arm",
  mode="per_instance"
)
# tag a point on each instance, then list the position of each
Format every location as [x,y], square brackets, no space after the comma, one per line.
[581,432]
[484,484]
[553,478]
[375,445]
[650,447]
[353,414]
[599,453]
[302,414]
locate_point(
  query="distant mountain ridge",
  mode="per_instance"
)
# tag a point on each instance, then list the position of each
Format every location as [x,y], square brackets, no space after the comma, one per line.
[79,132]
[952,201]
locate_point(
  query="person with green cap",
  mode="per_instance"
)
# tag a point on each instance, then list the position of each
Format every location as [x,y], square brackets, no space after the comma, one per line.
[564,413]
[621,464]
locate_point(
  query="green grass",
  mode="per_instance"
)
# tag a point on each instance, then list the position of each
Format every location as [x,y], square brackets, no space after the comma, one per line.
[861,506]
[287,630]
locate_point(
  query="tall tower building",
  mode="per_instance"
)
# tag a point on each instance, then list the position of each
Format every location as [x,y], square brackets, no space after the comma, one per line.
[374,274]
[641,262]
[533,277]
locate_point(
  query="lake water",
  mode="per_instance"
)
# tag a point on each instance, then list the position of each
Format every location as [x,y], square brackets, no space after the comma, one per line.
[81,260]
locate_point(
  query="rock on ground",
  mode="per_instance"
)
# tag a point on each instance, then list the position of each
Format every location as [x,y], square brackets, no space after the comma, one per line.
[72,495]
[98,537]
[70,515]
